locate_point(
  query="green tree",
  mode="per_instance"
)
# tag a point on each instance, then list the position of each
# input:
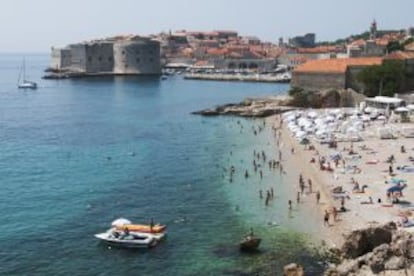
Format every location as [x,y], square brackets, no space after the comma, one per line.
[384,79]
[394,46]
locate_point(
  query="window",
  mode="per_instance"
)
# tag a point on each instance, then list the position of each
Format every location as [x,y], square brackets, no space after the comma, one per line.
[90,59]
[100,58]
[138,60]
[109,59]
[151,60]
[123,52]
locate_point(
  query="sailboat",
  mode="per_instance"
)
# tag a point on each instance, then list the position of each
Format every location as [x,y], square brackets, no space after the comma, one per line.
[22,82]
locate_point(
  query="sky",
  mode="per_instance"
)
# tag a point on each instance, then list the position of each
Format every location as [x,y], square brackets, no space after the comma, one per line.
[37,25]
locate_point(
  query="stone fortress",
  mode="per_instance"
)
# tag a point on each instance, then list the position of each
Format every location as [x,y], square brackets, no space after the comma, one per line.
[121,55]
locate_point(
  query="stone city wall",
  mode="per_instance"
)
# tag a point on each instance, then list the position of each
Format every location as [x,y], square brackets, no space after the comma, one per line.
[317,81]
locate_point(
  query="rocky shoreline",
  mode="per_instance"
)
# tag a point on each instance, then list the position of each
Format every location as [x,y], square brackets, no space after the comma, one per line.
[254,108]
[377,250]
[265,107]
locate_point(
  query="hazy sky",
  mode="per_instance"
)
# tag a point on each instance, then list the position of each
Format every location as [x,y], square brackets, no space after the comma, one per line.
[36,25]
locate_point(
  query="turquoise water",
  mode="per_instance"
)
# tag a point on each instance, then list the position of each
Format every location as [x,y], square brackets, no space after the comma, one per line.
[77,154]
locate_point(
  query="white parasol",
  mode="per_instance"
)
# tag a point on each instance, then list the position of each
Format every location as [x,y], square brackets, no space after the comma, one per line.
[120,222]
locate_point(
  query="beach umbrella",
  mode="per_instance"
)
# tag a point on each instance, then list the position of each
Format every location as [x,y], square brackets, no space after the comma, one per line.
[335,156]
[312,114]
[121,222]
[396,188]
[401,109]
[365,118]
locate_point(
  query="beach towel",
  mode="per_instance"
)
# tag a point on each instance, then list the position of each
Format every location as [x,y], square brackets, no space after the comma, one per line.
[407,169]
[409,223]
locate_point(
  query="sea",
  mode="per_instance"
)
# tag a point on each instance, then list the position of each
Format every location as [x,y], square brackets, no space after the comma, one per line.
[77,154]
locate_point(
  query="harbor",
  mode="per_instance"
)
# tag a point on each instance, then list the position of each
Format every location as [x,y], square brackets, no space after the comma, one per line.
[252,77]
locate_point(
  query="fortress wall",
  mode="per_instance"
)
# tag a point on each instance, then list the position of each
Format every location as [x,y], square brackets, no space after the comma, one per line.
[317,81]
[99,57]
[78,57]
[352,78]
[137,57]
[61,58]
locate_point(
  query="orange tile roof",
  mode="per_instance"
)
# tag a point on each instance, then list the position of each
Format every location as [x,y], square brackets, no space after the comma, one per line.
[318,50]
[400,55]
[235,55]
[409,47]
[382,41]
[217,51]
[338,65]
[359,42]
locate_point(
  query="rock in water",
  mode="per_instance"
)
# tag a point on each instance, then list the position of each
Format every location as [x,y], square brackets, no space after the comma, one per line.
[293,270]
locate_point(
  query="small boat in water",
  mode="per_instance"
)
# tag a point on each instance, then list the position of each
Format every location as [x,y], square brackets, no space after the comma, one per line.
[250,242]
[125,234]
[127,239]
[22,82]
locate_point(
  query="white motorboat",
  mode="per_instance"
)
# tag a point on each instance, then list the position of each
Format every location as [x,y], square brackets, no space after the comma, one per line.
[127,239]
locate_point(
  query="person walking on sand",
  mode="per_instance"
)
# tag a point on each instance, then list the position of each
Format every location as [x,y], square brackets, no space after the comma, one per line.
[326,218]
[302,187]
[310,185]
[298,197]
[334,213]
[290,204]
[318,197]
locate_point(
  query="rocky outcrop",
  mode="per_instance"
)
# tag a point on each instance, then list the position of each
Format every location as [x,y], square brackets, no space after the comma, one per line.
[325,98]
[250,108]
[276,105]
[293,270]
[362,241]
[382,250]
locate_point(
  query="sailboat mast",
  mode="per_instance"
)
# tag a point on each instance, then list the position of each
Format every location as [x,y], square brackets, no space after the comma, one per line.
[24,69]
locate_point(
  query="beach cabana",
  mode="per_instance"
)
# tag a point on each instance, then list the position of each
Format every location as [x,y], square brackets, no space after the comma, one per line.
[385,133]
[382,102]
[408,132]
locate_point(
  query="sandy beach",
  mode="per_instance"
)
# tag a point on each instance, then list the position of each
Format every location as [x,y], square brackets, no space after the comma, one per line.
[363,208]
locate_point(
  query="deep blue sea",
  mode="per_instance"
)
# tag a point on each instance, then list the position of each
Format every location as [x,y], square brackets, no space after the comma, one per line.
[77,154]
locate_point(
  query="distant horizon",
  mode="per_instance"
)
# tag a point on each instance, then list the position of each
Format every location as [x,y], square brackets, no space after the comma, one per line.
[29,26]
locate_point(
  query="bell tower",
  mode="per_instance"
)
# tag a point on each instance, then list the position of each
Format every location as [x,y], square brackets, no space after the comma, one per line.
[373,30]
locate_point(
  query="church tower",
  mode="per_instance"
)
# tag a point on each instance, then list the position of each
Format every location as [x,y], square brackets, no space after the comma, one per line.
[373,30]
